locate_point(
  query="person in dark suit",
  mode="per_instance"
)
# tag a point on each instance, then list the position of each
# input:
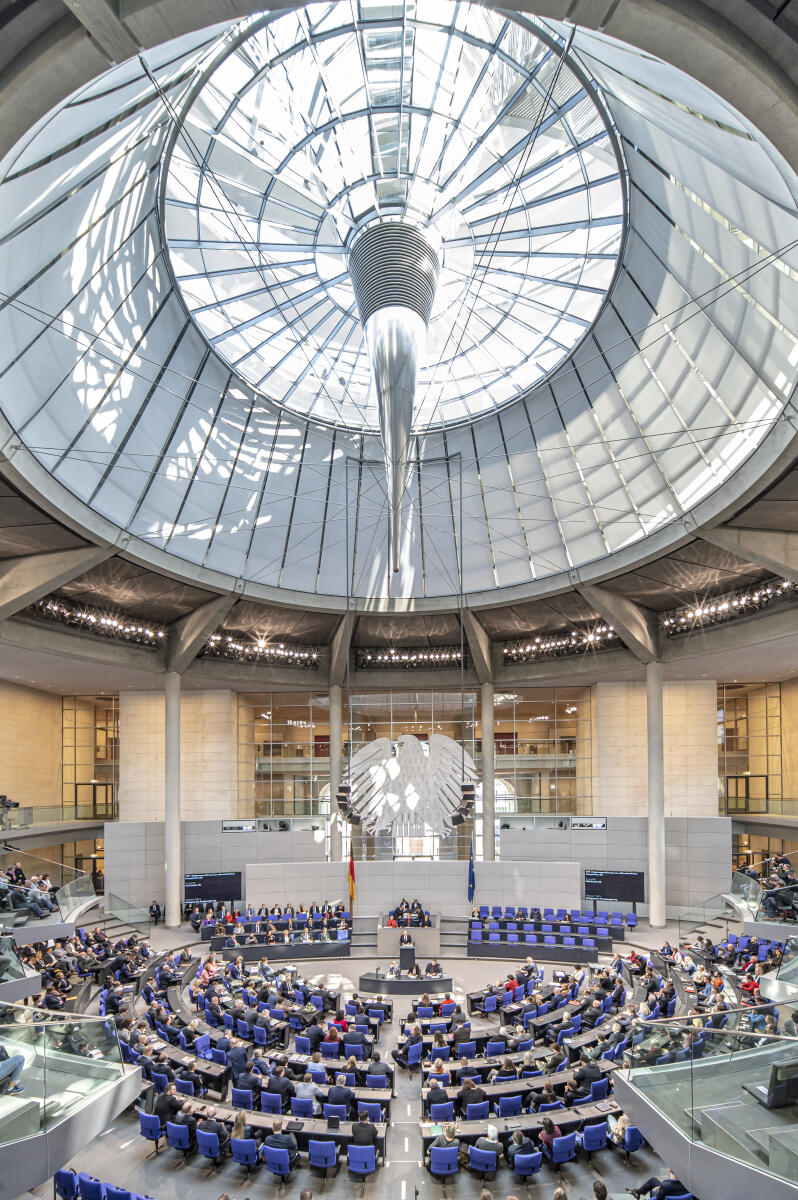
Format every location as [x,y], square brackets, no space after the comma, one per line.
[353,1038]
[211,1124]
[281,1085]
[250,1080]
[521,1144]
[339,1093]
[460,1034]
[277,1140]
[186,1075]
[589,1072]
[155,912]
[236,1061]
[184,1116]
[412,1039]
[315,1035]
[405,938]
[363,1132]
[161,1067]
[434,969]
[469,1094]
[167,1104]
[146,1063]
[660,1189]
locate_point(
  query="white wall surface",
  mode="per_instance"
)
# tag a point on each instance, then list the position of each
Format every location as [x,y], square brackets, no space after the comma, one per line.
[698,853]
[208,755]
[134,854]
[442,887]
[620,768]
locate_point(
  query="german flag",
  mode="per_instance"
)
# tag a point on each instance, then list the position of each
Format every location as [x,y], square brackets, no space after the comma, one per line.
[351,879]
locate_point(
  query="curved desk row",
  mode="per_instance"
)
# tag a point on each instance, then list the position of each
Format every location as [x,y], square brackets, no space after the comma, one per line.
[207,932]
[541,953]
[280,953]
[373,983]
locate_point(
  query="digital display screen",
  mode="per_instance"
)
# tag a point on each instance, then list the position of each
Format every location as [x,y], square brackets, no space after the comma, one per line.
[615,885]
[213,885]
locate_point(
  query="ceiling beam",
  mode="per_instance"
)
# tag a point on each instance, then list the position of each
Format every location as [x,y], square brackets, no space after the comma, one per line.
[479,646]
[103,26]
[25,580]
[340,647]
[186,637]
[774,549]
[636,626]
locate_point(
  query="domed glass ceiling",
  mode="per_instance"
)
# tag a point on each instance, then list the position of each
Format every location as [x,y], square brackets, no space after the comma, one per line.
[473,127]
[117,407]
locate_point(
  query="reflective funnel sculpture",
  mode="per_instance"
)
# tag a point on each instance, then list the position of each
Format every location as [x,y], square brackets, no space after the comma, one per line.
[394,271]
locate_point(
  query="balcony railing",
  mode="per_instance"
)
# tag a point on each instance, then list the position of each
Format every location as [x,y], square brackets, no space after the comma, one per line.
[64,1064]
[730,1089]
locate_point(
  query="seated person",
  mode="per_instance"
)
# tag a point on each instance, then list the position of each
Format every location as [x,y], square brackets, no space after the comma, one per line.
[574,1093]
[250,1080]
[278,1140]
[414,972]
[211,1123]
[434,969]
[378,1067]
[660,1189]
[469,1094]
[281,1085]
[364,1133]
[184,1116]
[186,1075]
[412,1039]
[167,1103]
[393,970]
[307,1089]
[490,1141]
[446,1140]
[618,1127]
[339,1093]
[548,1133]
[521,1144]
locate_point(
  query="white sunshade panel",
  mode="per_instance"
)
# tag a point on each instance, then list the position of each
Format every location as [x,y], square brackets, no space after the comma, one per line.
[580,422]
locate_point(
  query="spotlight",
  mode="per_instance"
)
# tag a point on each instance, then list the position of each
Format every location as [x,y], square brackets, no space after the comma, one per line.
[353,818]
[458,818]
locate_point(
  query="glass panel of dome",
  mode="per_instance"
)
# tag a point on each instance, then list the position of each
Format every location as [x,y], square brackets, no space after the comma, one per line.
[461,154]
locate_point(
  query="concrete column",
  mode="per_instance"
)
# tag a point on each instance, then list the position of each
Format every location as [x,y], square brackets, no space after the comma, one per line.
[336,840]
[488,785]
[173,850]
[656,795]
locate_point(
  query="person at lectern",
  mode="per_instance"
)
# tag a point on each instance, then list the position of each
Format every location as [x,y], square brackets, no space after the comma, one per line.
[405,938]
[434,969]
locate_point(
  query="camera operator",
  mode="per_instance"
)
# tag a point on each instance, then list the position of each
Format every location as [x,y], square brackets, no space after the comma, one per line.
[5,807]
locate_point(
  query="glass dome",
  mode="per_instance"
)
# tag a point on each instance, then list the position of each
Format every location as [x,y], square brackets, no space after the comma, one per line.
[476,128]
[119,409]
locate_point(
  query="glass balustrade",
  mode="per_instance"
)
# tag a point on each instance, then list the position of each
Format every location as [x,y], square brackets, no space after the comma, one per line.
[22,901]
[732,1089]
[128,914]
[62,1063]
[11,967]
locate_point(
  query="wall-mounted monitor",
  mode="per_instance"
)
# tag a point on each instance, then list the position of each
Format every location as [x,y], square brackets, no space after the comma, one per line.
[615,885]
[213,885]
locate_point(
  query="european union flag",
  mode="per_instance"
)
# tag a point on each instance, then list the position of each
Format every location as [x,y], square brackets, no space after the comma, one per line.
[472,882]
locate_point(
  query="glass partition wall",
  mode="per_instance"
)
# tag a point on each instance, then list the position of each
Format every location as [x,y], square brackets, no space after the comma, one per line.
[542,753]
[64,1063]
[733,1089]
